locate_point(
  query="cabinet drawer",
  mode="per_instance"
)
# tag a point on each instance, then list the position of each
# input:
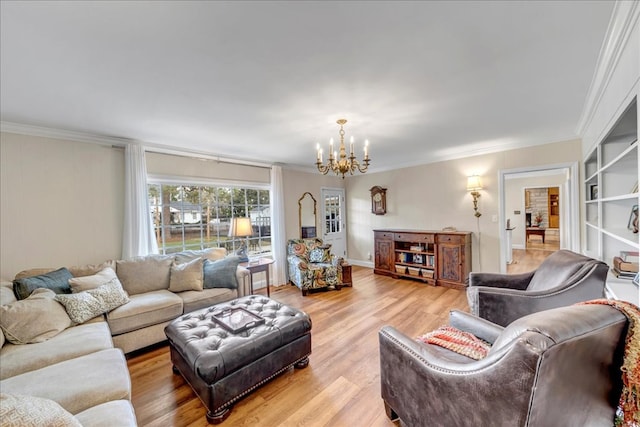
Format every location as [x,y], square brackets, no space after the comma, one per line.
[383,235]
[450,238]
[413,237]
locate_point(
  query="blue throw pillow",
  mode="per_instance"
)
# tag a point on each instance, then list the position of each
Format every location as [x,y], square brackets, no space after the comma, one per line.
[221,273]
[57,281]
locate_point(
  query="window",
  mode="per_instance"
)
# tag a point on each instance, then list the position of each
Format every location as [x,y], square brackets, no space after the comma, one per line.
[192,217]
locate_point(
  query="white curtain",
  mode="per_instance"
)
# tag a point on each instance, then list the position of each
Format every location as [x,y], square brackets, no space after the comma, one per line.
[137,238]
[278,239]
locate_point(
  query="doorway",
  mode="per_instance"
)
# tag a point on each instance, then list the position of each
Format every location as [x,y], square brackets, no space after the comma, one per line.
[512,201]
[333,224]
[542,214]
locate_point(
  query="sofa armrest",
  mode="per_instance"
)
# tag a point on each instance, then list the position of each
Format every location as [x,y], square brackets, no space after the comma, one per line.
[496,280]
[481,328]
[242,274]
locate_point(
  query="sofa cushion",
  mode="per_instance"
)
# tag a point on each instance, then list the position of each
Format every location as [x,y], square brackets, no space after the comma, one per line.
[211,253]
[35,319]
[115,413]
[144,274]
[77,384]
[221,273]
[144,310]
[89,304]
[84,283]
[71,343]
[194,300]
[57,281]
[91,269]
[29,411]
[187,276]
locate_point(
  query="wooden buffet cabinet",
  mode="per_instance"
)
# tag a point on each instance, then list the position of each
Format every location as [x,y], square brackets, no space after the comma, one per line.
[440,258]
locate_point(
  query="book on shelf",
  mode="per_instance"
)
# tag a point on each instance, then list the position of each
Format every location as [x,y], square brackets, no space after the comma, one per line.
[621,265]
[623,274]
[630,256]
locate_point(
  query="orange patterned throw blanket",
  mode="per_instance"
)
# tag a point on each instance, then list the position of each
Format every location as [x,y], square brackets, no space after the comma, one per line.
[629,409]
[457,341]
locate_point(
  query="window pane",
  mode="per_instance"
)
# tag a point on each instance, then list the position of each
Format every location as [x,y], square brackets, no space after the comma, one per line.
[196,217]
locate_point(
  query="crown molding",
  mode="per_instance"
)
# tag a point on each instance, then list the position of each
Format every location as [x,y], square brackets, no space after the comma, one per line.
[623,19]
[68,135]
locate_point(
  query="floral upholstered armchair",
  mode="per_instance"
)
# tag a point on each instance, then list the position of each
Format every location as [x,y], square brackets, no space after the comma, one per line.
[311,265]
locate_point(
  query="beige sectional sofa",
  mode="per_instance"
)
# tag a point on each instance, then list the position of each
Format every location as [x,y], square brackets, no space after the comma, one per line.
[83,368]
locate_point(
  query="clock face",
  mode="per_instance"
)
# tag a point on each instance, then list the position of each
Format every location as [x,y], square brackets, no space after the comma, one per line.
[377,197]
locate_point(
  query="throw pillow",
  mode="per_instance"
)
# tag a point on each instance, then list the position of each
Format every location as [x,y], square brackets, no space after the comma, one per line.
[91,269]
[316,255]
[30,411]
[145,274]
[221,273]
[187,276]
[86,305]
[458,341]
[79,284]
[57,281]
[213,254]
[34,319]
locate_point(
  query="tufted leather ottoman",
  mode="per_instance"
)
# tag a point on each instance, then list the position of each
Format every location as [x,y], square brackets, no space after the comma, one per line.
[222,367]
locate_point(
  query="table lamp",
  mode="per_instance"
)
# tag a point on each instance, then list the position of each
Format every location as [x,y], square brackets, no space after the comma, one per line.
[241,227]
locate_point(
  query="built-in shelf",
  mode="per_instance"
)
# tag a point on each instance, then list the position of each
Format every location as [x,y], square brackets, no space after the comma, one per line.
[611,171]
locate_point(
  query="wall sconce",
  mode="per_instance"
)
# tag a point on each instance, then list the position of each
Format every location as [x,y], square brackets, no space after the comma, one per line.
[474,186]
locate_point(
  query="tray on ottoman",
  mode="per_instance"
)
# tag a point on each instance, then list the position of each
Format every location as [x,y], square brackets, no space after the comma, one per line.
[223,366]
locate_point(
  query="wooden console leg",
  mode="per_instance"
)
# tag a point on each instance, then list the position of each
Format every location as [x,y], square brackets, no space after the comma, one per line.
[301,364]
[218,417]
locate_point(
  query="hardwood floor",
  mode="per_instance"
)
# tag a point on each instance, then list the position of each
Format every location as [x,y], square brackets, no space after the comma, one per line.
[341,385]
[525,260]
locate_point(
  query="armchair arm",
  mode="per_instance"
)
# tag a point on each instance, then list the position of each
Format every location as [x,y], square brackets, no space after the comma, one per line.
[496,280]
[503,306]
[297,262]
[423,389]
[479,327]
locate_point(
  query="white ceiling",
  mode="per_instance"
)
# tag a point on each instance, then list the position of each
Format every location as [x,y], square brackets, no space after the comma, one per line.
[265,81]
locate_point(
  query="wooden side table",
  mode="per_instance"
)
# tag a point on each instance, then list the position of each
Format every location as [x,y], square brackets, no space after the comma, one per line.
[346,275]
[259,266]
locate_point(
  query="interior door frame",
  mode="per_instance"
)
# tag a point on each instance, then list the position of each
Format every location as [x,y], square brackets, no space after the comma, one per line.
[343,211]
[570,217]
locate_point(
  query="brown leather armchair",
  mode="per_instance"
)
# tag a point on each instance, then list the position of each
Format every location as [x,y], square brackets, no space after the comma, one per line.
[560,367]
[562,279]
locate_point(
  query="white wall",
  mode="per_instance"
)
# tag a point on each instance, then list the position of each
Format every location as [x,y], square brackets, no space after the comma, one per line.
[434,196]
[62,203]
[296,183]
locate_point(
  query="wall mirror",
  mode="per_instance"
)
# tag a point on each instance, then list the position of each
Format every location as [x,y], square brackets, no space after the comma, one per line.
[307,215]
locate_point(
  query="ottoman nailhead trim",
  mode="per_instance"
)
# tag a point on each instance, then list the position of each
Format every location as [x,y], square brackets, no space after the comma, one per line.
[250,389]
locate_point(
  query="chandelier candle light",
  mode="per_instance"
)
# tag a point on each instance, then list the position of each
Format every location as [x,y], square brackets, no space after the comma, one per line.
[343,164]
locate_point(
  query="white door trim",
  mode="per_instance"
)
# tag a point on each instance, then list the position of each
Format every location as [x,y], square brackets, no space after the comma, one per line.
[569,217]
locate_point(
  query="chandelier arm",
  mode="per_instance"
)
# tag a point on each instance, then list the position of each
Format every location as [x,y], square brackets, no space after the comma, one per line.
[365,167]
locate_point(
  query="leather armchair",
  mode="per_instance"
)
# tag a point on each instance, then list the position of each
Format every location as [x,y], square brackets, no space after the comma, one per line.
[312,266]
[560,367]
[562,279]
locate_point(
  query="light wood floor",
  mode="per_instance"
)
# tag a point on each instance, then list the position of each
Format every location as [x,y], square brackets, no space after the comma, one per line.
[525,260]
[341,385]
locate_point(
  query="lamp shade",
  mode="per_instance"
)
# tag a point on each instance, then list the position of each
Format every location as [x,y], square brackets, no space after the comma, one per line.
[473,183]
[240,227]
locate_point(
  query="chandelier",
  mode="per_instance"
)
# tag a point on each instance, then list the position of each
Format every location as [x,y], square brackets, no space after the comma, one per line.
[343,164]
